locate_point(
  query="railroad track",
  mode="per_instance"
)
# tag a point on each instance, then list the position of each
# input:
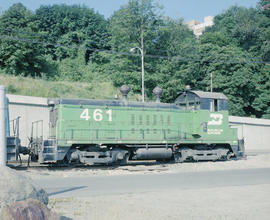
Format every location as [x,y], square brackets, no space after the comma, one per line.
[34,165]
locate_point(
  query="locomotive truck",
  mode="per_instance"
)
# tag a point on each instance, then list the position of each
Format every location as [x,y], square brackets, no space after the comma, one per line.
[193,128]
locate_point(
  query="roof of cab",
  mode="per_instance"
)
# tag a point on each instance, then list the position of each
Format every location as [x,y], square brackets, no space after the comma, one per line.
[206,95]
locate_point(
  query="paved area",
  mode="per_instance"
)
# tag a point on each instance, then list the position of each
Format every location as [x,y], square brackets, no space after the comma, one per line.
[104,185]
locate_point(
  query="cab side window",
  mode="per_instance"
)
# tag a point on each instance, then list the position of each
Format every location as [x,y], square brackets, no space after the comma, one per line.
[188,101]
[205,104]
[223,105]
[218,105]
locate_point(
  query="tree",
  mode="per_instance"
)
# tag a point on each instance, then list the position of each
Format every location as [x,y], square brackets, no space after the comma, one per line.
[247,32]
[175,47]
[239,23]
[69,27]
[262,100]
[19,55]
[133,25]
[264,5]
[139,24]
[234,74]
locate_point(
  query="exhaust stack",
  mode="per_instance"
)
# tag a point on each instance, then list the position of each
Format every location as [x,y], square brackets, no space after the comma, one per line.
[158,92]
[124,90]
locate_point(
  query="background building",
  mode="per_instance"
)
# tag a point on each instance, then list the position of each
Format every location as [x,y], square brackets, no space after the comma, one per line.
[198,27]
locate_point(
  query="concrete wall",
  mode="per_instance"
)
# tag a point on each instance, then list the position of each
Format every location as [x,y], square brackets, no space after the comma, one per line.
[256,132]
[30,109]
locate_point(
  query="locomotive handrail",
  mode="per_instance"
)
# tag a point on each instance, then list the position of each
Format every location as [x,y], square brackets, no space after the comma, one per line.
[15,125]
[36,126]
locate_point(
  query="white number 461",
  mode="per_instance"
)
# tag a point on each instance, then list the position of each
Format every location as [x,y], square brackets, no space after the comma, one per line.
[97,115]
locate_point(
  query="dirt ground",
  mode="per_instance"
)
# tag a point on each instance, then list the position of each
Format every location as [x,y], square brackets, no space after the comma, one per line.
[225,203]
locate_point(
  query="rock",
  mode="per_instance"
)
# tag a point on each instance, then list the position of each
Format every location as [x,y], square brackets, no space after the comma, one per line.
[29,209]
[16,187]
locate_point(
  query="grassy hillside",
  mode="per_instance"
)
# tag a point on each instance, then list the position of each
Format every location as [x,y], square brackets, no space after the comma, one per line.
[53,89]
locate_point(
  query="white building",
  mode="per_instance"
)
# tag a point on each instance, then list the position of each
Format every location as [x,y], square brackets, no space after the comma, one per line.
[198,27]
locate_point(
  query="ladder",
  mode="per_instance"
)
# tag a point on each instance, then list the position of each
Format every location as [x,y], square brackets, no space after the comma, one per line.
[13,140]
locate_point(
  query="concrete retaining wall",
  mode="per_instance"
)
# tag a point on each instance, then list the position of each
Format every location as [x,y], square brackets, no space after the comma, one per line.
[256,132]
[30,109]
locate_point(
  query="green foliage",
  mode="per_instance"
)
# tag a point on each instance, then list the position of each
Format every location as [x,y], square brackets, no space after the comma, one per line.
[243,35]
[133,25]
[72,26]
[262,4]
[17,57]
[134,22]
[138,24]
[262,100]
[246,27]
[176,41]
[218,38]
[237,80]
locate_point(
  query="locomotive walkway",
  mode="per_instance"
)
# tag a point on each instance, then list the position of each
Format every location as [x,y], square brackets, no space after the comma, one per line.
[123,184]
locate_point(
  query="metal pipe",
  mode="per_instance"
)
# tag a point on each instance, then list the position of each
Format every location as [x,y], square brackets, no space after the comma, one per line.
[3,140]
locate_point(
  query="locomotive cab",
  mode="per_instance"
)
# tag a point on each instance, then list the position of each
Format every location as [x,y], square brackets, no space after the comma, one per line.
[195,100]
[208,122]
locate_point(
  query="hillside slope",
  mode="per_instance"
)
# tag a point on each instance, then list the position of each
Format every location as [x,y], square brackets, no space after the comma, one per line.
[55,89]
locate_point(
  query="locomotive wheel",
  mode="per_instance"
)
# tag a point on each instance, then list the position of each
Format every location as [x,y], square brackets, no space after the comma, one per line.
[229,155]
[125,160]
[178,158]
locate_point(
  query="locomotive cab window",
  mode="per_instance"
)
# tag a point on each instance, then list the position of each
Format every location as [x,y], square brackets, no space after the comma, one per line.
[223,105]
[194,100]
[188,101]
[214,105]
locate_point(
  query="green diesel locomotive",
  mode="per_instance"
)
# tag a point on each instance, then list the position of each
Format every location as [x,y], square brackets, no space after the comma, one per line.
[193,128]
